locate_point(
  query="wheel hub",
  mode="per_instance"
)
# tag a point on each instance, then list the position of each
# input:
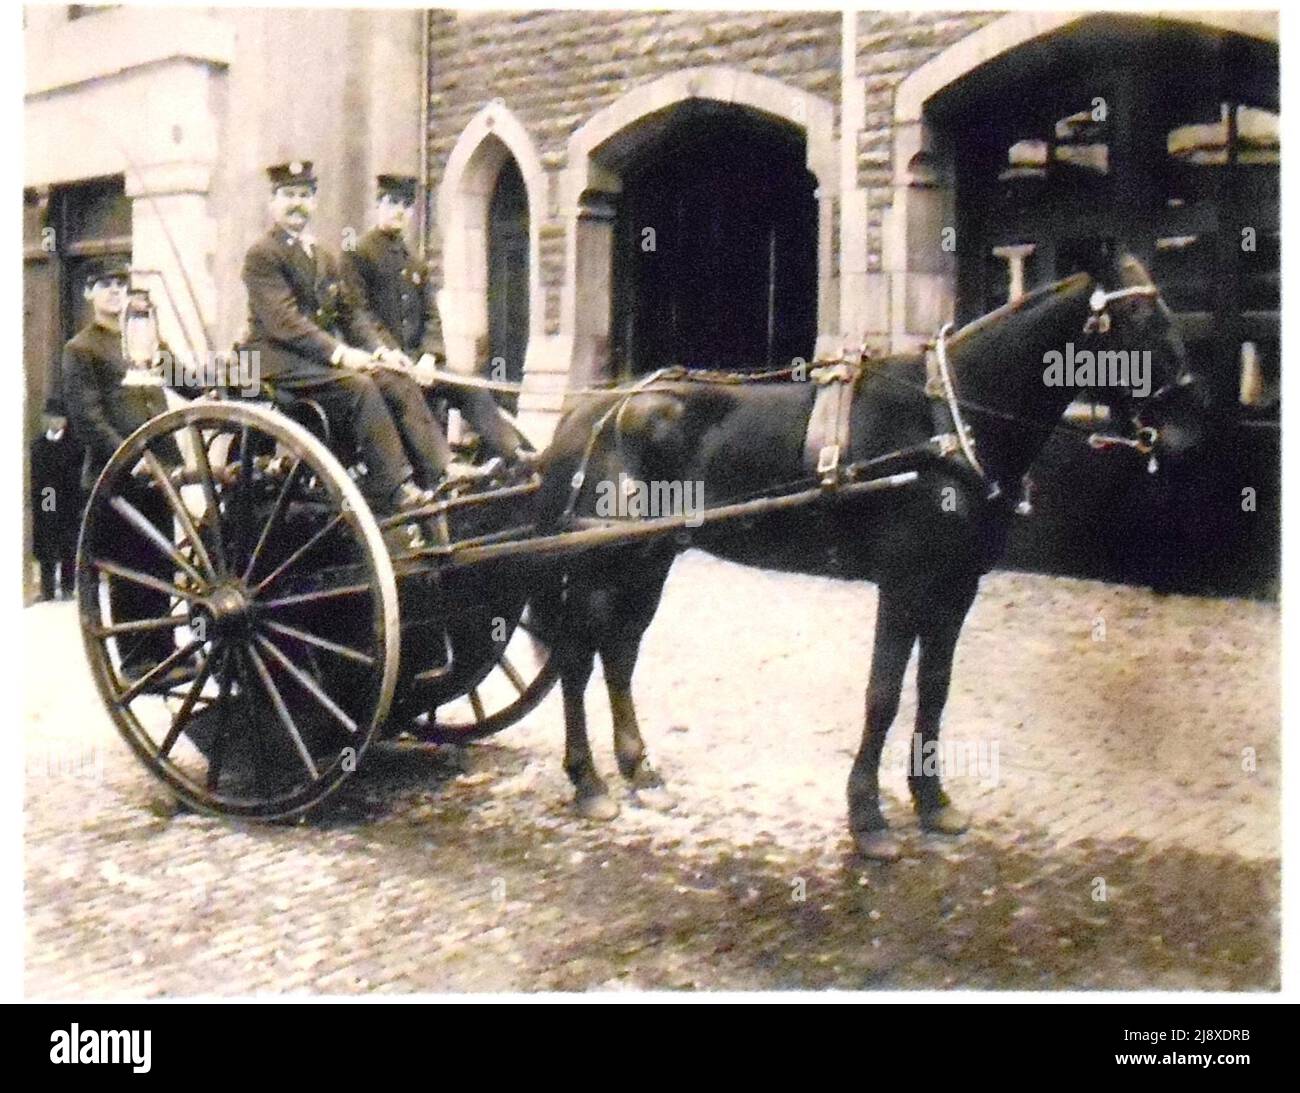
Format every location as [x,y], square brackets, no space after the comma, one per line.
[229,610]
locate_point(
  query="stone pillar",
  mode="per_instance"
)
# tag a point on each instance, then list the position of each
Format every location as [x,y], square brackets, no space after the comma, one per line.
[830,340]
[863,292]
[1015,256]
[920,241]
[462,301]
[173,248]
[593,257]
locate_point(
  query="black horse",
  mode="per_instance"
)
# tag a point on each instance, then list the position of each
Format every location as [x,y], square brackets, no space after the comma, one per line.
[925,544]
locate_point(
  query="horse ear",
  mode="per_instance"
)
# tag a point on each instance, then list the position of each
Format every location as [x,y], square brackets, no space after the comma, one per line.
[1099,258]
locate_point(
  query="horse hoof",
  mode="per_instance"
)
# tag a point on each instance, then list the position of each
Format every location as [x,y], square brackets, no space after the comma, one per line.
[945,820]
[878,845]
[654,797]
[598,806]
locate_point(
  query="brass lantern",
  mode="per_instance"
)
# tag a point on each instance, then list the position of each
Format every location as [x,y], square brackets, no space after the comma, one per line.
[140,341]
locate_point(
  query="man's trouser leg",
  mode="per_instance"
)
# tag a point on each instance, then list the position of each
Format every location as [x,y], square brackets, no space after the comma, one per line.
[67,573]
[426,444]
[69,529]
[355,407]
[484,416]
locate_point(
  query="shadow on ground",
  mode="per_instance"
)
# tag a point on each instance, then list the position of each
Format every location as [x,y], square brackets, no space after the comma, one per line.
[995,909]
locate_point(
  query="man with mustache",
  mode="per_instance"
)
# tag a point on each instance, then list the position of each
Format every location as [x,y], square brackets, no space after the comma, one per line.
[393,289]
[313,340]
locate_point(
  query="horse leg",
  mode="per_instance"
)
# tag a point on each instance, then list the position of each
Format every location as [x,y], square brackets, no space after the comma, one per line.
[591,795]
[933,675]
[895,635]
[619,659]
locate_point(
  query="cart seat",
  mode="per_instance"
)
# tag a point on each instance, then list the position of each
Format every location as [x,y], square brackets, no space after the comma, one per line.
[307,412]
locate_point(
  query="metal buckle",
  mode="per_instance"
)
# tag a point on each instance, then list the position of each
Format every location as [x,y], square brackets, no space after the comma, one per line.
[828,459]
[946,443]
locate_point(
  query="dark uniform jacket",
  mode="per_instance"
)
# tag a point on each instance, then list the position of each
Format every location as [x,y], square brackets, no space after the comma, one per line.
[55,465]
[300,309]
[395,291]
[101,410]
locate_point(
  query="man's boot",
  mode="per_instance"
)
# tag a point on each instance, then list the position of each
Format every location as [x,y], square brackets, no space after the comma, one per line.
[404,538]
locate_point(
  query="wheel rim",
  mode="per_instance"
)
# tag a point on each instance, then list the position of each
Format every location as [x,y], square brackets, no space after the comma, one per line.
[272,636]
[497,682]
[508,685]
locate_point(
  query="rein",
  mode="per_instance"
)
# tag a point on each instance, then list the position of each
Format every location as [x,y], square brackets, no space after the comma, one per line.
[939,383]
[940,386]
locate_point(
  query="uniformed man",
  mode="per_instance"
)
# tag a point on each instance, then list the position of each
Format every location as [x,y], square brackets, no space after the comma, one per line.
[104,410]
[394,291]
[313,339]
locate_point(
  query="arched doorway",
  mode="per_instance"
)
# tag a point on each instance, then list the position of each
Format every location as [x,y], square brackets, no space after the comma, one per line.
[715,244]
[1162,136]
[650,124]
[490,301]
[508,277]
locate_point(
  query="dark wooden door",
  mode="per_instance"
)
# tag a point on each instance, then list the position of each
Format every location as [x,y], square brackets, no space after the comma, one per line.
[64,228]
[1167,143]
[508,276]
[1169,150]
[715,263]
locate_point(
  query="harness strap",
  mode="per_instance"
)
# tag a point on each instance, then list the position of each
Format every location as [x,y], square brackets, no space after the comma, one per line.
[951,431]
[827,439]
[615,411]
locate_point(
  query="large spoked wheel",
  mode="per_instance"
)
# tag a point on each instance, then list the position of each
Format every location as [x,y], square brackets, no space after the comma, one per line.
[239,609]
[502,671]
[501,665]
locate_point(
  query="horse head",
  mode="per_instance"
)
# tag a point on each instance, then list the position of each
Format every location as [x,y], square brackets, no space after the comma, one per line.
[1128,314]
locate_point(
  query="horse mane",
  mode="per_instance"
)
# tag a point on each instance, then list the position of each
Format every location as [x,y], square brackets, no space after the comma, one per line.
[1020,307]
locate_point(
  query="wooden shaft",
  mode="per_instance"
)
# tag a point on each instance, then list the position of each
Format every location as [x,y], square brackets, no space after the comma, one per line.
[622,533]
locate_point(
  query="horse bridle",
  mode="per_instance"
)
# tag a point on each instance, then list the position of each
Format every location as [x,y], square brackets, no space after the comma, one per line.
[1099,322]
[942,385]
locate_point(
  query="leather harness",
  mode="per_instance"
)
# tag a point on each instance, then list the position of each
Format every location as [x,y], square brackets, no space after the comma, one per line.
[827,440]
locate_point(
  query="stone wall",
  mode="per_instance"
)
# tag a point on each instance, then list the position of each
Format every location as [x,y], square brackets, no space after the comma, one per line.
[890,46]
[555,69]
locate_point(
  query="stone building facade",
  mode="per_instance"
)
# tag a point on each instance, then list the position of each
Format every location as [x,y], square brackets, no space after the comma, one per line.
[552,140]
[887,110]
[146,135]
[611,191]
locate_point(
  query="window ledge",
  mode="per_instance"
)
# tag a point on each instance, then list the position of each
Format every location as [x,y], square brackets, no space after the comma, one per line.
[121,40]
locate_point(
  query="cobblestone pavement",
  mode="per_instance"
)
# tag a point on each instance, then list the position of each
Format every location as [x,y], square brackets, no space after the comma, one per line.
[1119,750]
